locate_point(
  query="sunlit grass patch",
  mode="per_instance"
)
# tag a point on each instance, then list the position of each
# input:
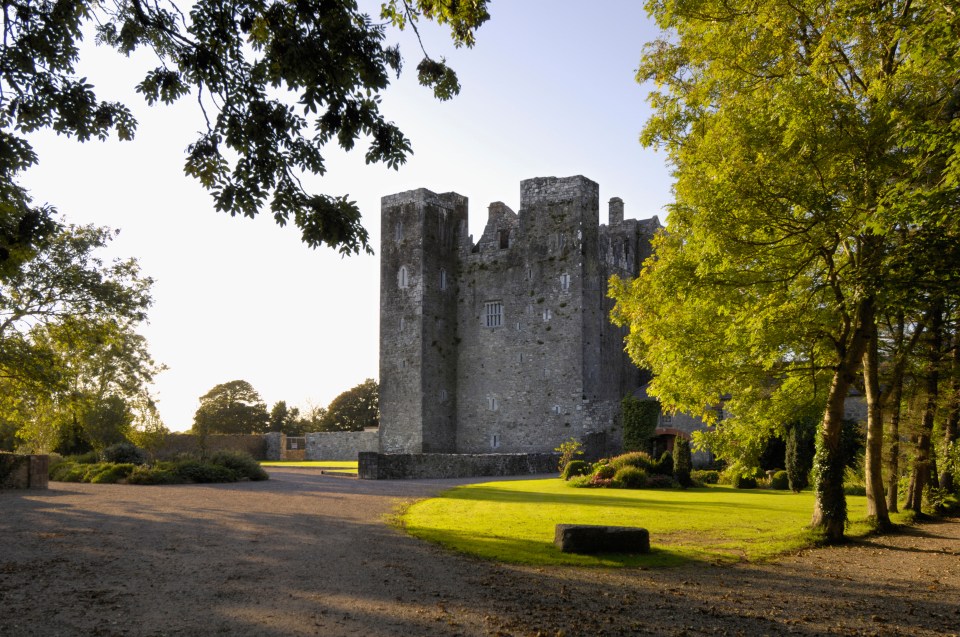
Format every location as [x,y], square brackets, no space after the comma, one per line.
[514,521]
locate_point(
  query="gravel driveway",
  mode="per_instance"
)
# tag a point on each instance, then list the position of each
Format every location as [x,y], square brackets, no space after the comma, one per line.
[308,554]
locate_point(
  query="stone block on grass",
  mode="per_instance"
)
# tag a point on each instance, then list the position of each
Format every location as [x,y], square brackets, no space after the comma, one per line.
[591,538]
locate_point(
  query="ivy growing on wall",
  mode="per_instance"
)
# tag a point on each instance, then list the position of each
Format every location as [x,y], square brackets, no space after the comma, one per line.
[640,419]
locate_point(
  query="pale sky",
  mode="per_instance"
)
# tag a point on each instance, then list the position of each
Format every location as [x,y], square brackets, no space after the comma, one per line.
[548,90]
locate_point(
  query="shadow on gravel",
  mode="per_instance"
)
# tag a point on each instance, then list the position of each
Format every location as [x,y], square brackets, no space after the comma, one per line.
[306,554]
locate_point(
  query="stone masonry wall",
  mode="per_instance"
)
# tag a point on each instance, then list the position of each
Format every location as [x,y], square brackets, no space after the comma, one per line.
[24,471]
[341,445]
[406,466]
[177,443]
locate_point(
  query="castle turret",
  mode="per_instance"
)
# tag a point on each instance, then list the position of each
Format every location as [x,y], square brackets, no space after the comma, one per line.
[420,237]
[615,211]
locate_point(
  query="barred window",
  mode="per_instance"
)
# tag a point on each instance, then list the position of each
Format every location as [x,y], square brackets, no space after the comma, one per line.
[493,314]
[564,281]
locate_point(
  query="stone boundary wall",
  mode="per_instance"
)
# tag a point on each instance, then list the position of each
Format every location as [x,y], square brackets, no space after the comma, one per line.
[177,443]
[341,445]
[323,445]
[408,466]
[24,472]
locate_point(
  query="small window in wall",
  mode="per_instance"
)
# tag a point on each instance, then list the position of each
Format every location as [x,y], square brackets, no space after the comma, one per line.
[518,326]
[443,279]
[492,403]
[403,323]
[442,395]
[493,314]
[666,419]
[547,314]
[529,274]
[494,441]
[561,240]
[504,237]
[399,230]
[557,409]
[564,281]
[520,357]
[403,279]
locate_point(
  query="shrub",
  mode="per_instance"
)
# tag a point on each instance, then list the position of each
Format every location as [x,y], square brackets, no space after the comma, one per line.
[152,475]
[663,466]
[575,468]
[682,466]
[740,481]
[59,472]
[780,481]
[568,450]
[241,464]
[604,471]
[204,472]
[597,481]
[111,473]
[580,482]
[705,476]
[124,452]
[660,481]
[638,459]
[90,457]
[630,477]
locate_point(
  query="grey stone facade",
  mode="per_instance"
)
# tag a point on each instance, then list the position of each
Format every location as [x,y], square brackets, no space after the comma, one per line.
[503,345]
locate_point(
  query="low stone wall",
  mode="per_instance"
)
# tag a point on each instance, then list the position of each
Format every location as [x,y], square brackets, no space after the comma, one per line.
[177,443]
[406,466]
[24,472]
[341,445]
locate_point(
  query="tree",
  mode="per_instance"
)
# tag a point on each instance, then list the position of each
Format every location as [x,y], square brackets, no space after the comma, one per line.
[274,81]
[355,409]
[639,422]
[231,408]
[68,341]
[683,462]
[799,455]
[806,139]
[285,419]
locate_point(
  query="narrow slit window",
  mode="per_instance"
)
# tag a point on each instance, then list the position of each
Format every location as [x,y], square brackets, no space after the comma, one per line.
[564,281]
[402,277]
[443,279]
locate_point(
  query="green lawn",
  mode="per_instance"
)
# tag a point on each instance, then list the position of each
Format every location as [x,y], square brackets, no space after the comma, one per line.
[514,521]
[341,466]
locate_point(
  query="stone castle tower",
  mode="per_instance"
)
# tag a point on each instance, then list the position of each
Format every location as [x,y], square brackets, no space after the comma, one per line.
[503,345]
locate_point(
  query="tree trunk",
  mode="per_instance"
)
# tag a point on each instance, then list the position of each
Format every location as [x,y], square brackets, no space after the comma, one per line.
[873,465]
[893,459]
[920,475]
[948,481]
[830,504]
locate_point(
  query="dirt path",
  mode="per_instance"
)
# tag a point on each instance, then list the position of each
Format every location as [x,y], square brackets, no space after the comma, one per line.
[306,554]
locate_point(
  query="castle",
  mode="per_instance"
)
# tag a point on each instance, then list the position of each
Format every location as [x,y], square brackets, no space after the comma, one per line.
[504,345]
